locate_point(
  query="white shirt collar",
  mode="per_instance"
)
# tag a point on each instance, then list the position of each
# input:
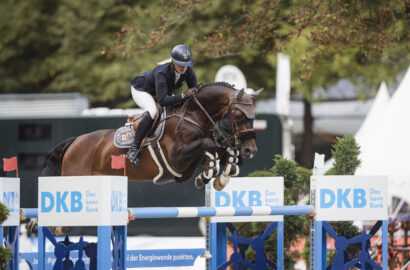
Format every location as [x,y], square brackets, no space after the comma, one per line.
[177,76]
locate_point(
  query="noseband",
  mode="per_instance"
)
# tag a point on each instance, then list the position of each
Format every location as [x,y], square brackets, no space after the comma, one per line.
[231,124]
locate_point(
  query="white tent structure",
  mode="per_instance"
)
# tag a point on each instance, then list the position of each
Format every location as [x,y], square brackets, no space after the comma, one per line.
[386,145]
[375,113]
[372,119]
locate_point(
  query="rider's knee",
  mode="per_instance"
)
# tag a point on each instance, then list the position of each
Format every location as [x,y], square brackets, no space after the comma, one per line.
[152,112]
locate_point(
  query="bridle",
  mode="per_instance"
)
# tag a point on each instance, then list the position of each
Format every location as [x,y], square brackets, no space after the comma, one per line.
[229,122]
[233,128]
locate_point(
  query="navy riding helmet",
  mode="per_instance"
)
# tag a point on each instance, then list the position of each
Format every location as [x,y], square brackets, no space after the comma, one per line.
[182,56]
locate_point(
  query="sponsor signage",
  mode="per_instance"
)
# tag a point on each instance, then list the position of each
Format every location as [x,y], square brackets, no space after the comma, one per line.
[82,201]
[248,191]
[133,259]
[350,197]
[10,197]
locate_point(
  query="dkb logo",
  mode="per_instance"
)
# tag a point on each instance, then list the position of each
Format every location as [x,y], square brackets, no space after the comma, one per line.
[328,198]
[117,201]
[223,198]
[49,201]
[11,200]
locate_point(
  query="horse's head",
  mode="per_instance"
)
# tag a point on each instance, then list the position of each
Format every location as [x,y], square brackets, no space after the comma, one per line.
[238,121]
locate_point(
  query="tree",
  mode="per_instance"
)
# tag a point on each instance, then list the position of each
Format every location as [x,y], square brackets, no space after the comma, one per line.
[55,46]
[366,41]
[296,182]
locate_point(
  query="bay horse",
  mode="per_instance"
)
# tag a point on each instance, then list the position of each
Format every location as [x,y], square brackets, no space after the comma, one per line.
[191,138]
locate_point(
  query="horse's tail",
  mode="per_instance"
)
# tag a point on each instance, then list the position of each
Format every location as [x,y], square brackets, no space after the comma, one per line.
[54,158]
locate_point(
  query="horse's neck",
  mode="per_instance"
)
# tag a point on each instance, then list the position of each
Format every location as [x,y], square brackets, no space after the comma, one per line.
[215,101]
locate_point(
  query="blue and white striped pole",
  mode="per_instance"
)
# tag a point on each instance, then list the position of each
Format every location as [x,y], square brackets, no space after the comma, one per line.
[190,212]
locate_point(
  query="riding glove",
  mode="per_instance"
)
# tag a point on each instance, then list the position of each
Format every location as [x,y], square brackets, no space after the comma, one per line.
[189,93]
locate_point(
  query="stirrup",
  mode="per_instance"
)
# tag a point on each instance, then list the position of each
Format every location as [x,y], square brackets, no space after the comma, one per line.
[133,156]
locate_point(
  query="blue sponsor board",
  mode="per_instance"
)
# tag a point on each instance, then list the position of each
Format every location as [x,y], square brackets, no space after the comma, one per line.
[162,257]
[134,258]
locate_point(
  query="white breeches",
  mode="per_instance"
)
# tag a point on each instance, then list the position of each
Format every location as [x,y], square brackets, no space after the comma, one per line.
[145,101]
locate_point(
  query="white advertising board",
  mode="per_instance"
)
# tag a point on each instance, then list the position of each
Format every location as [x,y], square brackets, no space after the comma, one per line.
[10,196]
[350,197]
[247,191]
[82,201]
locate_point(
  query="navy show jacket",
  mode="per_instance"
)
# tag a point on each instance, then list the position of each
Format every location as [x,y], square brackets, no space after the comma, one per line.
[160,83]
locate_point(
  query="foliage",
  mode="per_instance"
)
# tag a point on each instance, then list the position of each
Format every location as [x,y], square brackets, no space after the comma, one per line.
[260,173]
[54,46]
[296,181]
[346,154]
[365,41]
[4,213]
[71,46]
[5,254]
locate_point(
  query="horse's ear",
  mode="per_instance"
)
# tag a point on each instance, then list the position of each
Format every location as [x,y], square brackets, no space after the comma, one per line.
[255,94]
[240,94]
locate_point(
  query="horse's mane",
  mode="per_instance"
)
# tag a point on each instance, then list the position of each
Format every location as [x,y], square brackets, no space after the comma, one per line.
[210,84]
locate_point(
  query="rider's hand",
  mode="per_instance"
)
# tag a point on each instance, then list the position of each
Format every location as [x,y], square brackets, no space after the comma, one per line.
[189,93]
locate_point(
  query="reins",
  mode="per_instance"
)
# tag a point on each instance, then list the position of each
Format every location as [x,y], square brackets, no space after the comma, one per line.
[212,121]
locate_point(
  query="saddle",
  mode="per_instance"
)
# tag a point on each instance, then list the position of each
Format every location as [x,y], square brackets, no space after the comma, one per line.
[124,136]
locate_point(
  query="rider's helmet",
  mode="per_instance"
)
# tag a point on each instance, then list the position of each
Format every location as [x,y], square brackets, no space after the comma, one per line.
[182,56]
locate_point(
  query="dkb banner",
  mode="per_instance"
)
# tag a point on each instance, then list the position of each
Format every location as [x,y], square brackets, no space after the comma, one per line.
[82,201]
[10,197]
[339,198]
[247,191]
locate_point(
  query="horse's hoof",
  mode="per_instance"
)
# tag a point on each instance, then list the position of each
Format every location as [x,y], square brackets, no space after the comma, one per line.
[221,181]
[32,226]
[217,183]
[198,183]
[60,231]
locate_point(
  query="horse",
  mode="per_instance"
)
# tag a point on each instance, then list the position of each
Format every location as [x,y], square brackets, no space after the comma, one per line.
[191,138]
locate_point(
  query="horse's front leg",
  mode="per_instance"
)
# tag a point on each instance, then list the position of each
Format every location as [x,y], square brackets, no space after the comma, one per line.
[231,169]
[211,168]
[202,151]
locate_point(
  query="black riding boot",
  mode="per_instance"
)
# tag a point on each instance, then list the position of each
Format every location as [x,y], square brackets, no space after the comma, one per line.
[143,127]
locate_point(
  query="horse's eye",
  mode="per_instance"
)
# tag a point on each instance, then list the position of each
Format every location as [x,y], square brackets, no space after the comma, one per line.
[240,116]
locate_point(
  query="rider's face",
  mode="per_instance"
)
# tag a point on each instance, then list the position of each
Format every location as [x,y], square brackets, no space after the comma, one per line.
[180,69]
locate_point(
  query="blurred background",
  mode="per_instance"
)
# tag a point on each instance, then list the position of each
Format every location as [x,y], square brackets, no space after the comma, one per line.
[66,66]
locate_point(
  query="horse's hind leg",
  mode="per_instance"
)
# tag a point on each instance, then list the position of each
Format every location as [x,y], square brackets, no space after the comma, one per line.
[32,227]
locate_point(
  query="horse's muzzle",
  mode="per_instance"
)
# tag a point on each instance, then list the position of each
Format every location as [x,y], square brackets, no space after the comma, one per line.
[248,151]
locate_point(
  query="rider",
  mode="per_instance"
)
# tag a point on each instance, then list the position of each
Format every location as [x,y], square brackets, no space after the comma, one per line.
[160,83]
